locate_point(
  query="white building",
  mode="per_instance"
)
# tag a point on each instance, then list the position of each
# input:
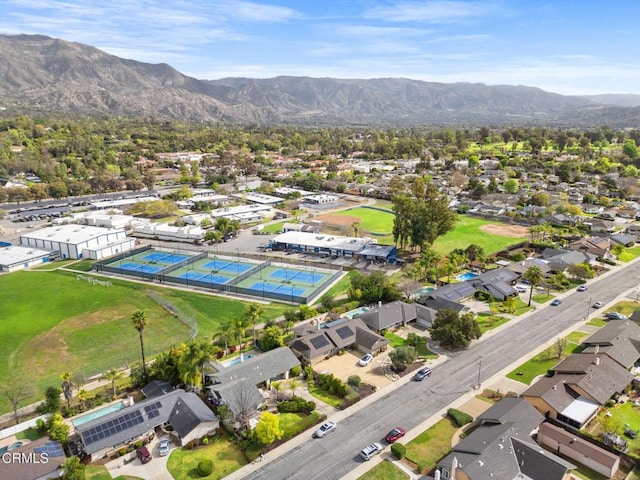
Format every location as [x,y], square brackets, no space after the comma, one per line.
[15,257]
[321,199]
[79,241]
[260,198]
[162,231]
[240,212]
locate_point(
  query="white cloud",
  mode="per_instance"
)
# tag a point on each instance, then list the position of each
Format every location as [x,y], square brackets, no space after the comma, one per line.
[255,12]
[436,11]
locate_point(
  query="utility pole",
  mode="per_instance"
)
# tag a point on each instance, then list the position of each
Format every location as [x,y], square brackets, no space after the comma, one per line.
[479,370]
[588,309]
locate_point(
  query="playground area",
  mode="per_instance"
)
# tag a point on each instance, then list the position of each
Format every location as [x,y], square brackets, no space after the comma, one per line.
[267,280]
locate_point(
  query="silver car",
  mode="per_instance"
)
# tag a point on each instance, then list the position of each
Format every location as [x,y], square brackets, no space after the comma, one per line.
[325,429]
[370,450]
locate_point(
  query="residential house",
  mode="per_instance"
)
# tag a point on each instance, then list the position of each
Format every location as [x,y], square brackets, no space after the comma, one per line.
[561,219]
[394,314]
[560,260]
[521,267]
[438,302]
[501,448]
[599,225]
[578,450]
[327,340]
[599,246]
[40,459]
[498,283]
[575,388]
[619,340]
[624,239]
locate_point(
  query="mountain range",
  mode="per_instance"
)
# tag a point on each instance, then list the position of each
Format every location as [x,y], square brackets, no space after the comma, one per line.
[47,76]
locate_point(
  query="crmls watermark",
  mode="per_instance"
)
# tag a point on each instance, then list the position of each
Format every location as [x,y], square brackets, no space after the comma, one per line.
[27,458]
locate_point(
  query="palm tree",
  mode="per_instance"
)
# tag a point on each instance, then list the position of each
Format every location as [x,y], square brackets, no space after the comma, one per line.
[83,395]
[355,226]
[293,384]
[277,386]
[226,334]
[67,387]
[111,376]
[534,276]
[240,325]
[192,360]
[253,312]
[140,322]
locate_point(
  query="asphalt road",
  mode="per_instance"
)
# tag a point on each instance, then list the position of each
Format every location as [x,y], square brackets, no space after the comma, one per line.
[413,403]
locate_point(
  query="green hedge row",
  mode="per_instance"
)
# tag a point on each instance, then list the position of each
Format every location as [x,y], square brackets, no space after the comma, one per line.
[459,417]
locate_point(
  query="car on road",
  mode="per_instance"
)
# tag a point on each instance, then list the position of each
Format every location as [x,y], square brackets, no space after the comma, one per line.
[616,316]
[365,360]
[556,302]
[395,434]
[143,454]
[163,447]
[325,429]
[598,305]
[422,374]
[370,450]
[582,288]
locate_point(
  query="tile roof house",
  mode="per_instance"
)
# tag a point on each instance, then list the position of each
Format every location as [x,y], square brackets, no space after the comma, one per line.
[577,387]
[40,459]
[599,246]
[189,416]
[392,315]
[578,449]
[619,340]
[340,334]
[501,448]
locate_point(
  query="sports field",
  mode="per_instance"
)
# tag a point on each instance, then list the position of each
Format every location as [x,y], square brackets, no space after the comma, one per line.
[51,322]
[371,220]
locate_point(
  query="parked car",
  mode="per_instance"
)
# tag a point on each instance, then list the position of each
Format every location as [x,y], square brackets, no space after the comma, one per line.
[143,454]
[163,447]
[325,429]
[370,450]
[598,305]
[556,302]
[616,316]
[422,374]
[395,434]
[521,289]
[365,360]
[582,288]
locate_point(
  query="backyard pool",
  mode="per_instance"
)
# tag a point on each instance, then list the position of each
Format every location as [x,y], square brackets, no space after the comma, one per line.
[98,413]
[423,291]
[13,446]
[235,361]
[357,311]
[466,276]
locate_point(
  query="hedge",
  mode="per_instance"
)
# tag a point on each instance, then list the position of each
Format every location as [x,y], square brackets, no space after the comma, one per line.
[398,450]
[461,418]
[205,467]
[296,405]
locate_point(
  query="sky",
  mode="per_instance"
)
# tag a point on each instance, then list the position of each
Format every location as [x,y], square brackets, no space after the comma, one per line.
[572,47]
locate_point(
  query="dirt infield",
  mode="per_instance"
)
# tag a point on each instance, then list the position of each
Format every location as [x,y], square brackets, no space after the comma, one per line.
[506,230]
[340,220]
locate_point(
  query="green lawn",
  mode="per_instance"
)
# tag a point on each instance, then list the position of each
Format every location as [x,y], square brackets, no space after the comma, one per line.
[597,322]
[520,307]
[396,341]
[56,323]
[276,227]
[541,298]
[294,423]
[227,457]
[488,321]
[629,254]
[325,396]
[468,231]
[384,471]
[626,307]
[100,472]
[372,221]
[342,286]
[431,445]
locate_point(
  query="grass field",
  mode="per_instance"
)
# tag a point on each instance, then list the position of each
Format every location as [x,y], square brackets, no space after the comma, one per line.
[384,471]
[54,323]
[373,221]
[227,457]
[468,231]
[431,445]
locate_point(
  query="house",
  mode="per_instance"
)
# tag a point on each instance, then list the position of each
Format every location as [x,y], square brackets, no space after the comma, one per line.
[599,225]
[501,447]
[15,257]
[237,385]
[40,459]
[436,302]
[624,239]
[619,340]
[189,416]
[335,336]
[393,314]
[560,260]
[521,267]
[599,246]
[578,450]
[575,388]
[497,283]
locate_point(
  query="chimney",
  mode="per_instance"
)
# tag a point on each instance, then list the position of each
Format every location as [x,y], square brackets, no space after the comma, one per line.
[130,398]
[596,361]
[597,349]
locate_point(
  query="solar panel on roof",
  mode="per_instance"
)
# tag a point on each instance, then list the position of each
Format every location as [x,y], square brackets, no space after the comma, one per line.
[319,342]
[344,332]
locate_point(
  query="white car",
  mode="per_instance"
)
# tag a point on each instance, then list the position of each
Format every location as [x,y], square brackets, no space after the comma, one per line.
[370,450]
[598,305]
[325,429]
[163,447]
[521,289]
[366,360]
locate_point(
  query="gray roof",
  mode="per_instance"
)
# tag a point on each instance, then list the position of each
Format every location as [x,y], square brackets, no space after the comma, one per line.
[512,410]
[156,388]
[454,292]
[188,412]
[562,261]
[260,368]
[577,444]
[554,391]
[389,315]
[369,339]
[438,303]
[240,394]
[131,422]
[624,238]
[537,463]
[620,340]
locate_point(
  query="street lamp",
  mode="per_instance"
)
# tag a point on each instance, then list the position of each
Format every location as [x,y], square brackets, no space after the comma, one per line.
[479,382]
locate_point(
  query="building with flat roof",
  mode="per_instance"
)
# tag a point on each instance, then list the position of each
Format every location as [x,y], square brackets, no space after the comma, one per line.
[320,243]
[16,257]
[72,240]
[239,212]
[123,202]
[260,198]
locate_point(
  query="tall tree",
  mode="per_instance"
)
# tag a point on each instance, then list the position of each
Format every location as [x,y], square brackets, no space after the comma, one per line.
[111,376]
[225,334]
[240,325]
[454,330]
[16,390]
[67,387]
[534,276]
[192,360]
[139,321]
[268,428]
[253,312]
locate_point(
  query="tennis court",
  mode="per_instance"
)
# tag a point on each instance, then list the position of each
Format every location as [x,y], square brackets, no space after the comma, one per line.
[227,266]
[278,288]
[166,258]
[299,276]
[204,277]
[139,267]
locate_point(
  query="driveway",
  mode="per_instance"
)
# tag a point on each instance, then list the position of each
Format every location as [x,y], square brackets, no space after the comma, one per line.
[343,366]
[156,469]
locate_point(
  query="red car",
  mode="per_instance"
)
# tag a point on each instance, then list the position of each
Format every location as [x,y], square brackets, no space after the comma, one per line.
[395,434]
[143,454]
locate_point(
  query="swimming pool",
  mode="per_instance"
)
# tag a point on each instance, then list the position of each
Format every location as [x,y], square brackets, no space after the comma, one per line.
[235,361]
[466,276]
[97,414]
[357,311]
[422,291]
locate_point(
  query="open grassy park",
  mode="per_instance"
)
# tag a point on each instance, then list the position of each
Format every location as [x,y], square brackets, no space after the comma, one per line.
[52,322]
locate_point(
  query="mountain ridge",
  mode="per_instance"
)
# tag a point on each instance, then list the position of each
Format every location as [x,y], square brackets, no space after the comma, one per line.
[43,74]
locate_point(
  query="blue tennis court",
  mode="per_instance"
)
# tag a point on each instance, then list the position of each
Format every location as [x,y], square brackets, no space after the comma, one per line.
[165,257]
[298,275]
[272,287]
[204,277]
[137,267]
[224,266]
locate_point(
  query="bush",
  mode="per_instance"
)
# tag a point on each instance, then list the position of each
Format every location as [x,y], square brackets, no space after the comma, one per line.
[205,441]
[205,467]
[333,385]
[459,417]
[296,371]
[122,451]
[354,381]
[518,257]
[296,405]
[413,339]
[398,450]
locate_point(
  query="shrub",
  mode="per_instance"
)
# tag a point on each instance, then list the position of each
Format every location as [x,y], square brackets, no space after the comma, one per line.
[413,339]
[205,467]
[122,451]
[296,371]
[518,257]
[205,441]
[354,381]
[296,405]
[459,417]
[333,385]
[398,450]
[138,444]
